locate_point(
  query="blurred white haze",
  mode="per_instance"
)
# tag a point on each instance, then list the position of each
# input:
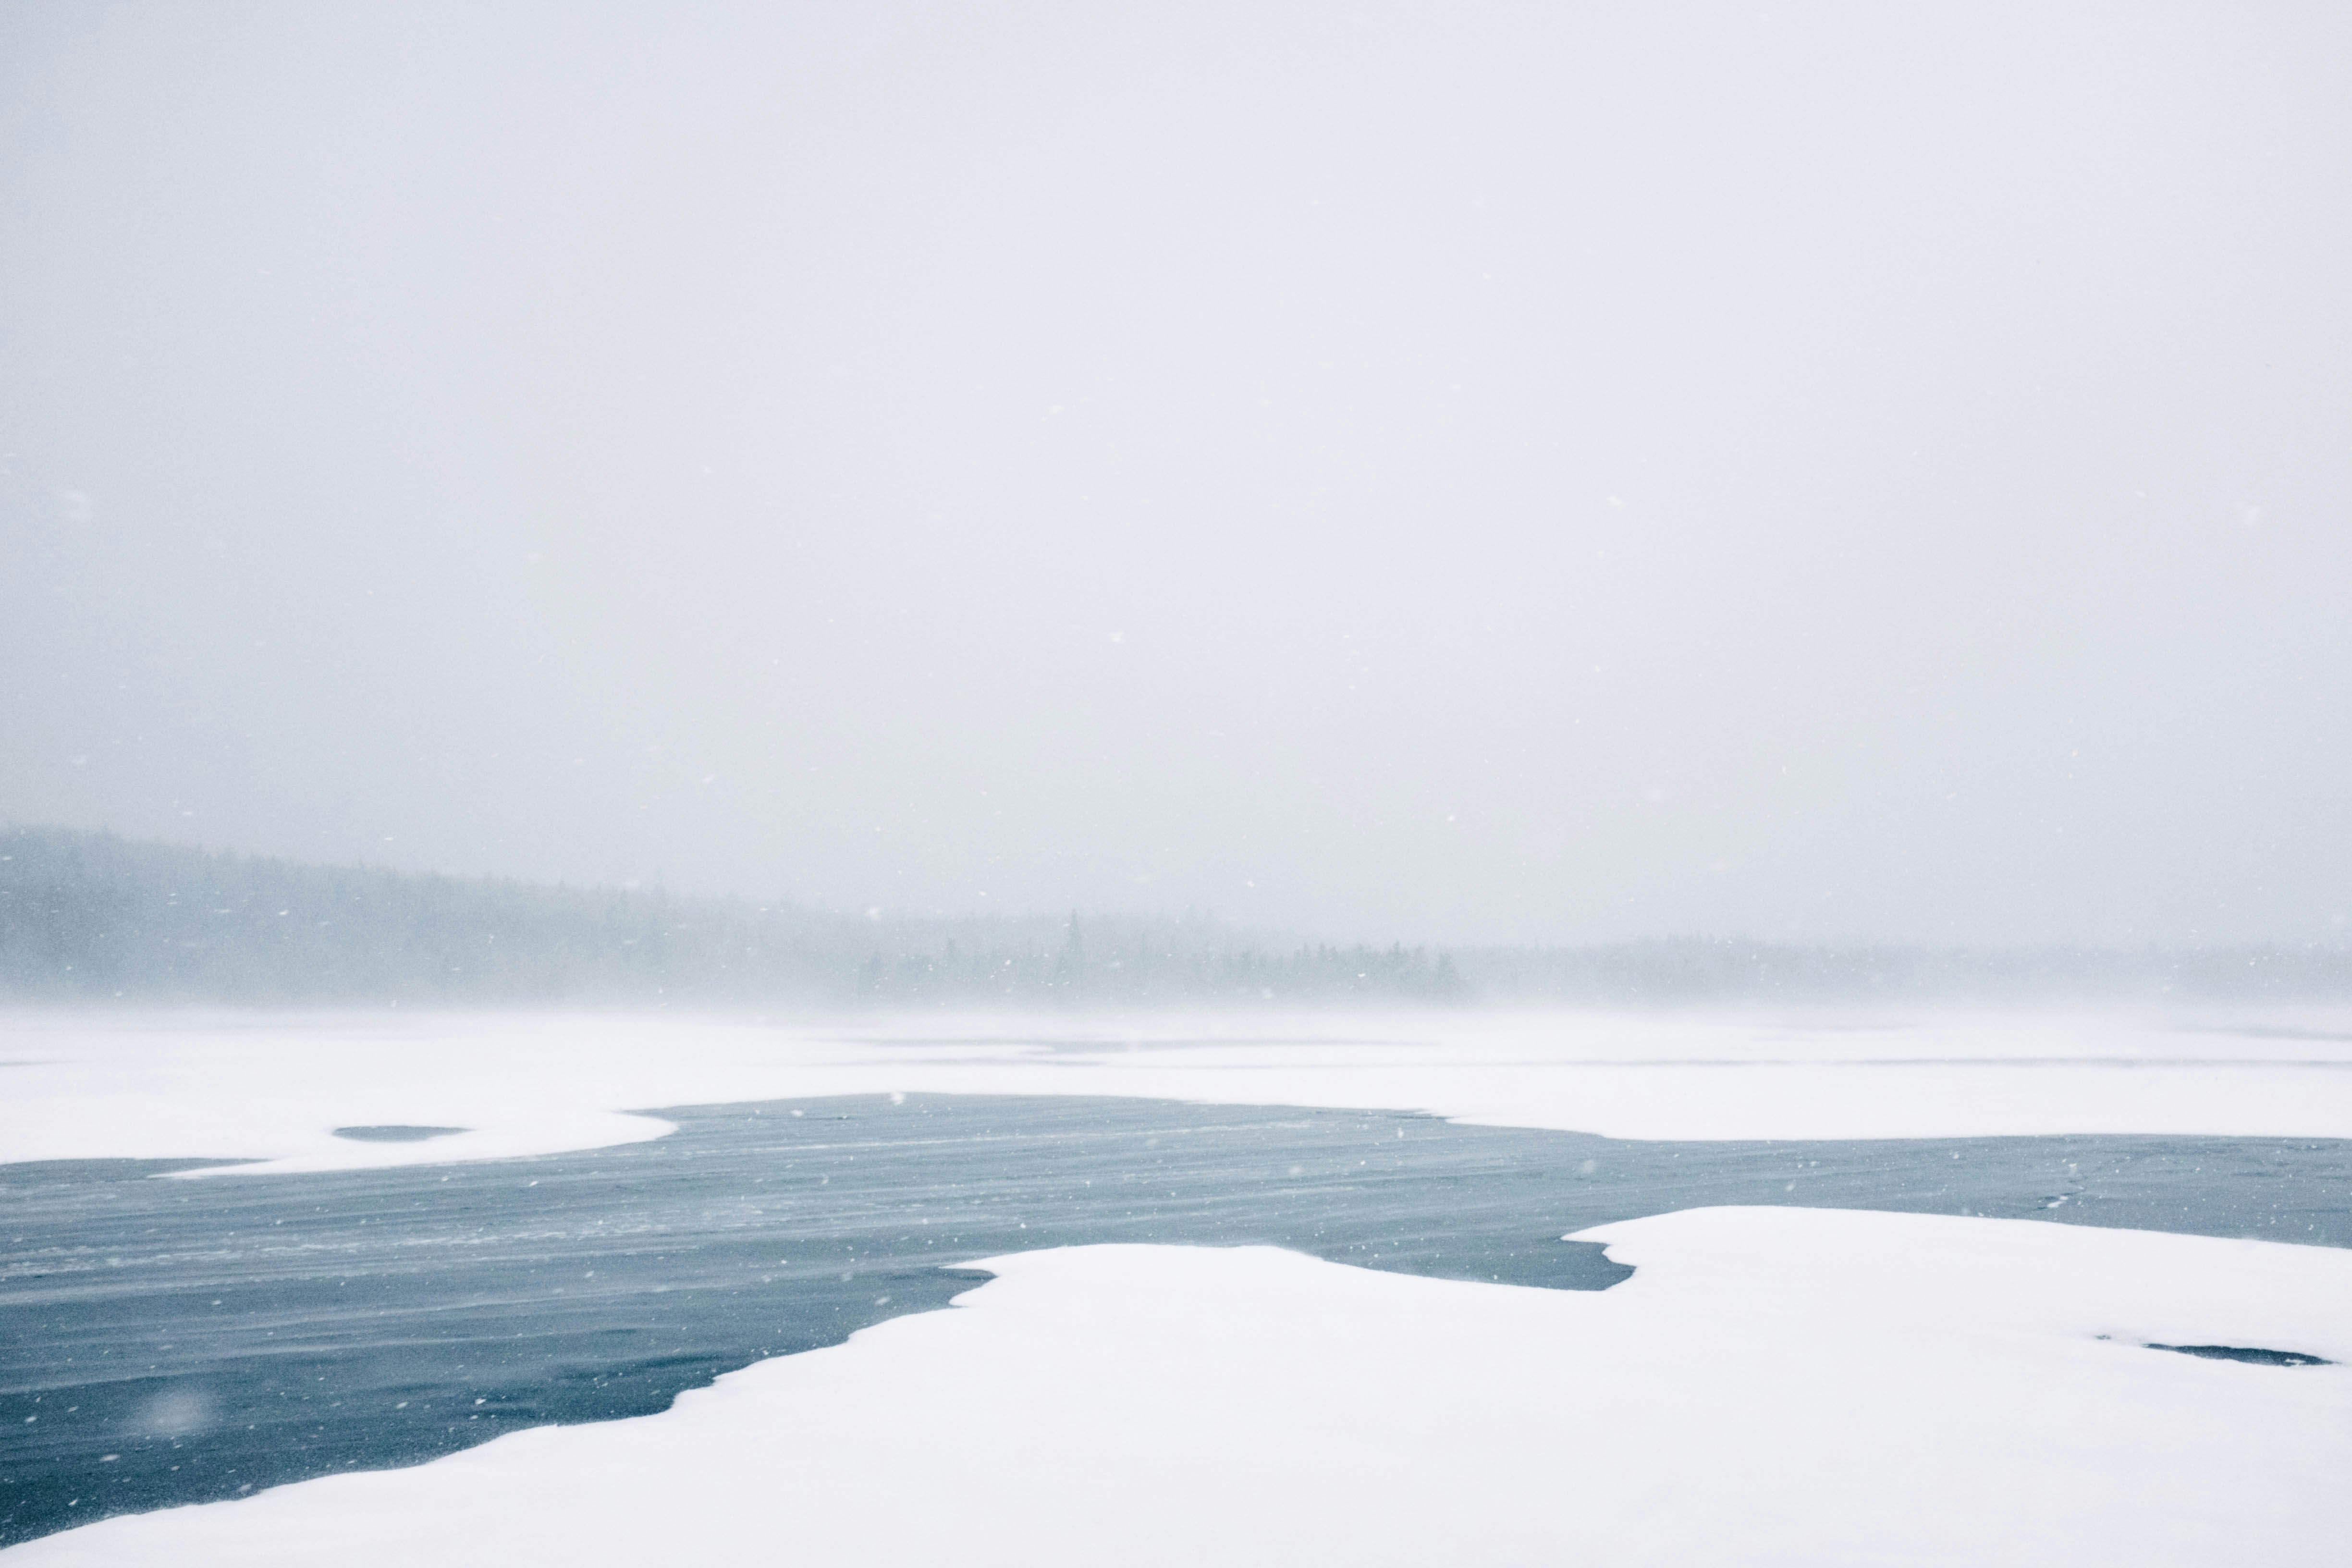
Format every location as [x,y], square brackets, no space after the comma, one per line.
[1545,472]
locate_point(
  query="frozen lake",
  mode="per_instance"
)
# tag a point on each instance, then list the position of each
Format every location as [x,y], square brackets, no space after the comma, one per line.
[1273,1288]
[171,1341]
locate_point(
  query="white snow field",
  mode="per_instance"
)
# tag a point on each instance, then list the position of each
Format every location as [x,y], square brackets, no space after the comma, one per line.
[275,1087]
[1772,1387]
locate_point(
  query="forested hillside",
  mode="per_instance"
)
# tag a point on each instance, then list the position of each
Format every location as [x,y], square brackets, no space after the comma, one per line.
[92,917]
[88,917]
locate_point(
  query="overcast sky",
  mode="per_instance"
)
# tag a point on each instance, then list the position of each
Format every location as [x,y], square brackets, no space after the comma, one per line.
[1540,471]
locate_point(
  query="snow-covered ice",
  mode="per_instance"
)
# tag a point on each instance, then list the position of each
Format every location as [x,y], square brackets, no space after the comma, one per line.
[275,1087]
[1772,1387]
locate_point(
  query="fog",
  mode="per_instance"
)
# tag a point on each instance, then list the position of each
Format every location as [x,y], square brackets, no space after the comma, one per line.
[1430,473]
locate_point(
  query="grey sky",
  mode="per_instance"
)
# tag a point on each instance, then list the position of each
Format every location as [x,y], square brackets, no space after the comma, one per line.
[1525,472]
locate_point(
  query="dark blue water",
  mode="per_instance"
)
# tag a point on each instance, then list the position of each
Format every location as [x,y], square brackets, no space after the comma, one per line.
[169,1342]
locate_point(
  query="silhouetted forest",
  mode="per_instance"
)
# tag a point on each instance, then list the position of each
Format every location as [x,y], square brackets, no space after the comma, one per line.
[91,917]
[88,917]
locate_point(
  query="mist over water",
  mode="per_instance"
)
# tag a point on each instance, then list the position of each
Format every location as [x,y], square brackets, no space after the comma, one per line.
[1395,473]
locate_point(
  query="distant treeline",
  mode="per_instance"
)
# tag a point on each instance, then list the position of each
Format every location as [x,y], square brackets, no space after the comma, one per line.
[1689,970]
[91,917]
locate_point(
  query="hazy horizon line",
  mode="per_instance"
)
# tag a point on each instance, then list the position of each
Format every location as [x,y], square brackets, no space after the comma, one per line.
[1270,936]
